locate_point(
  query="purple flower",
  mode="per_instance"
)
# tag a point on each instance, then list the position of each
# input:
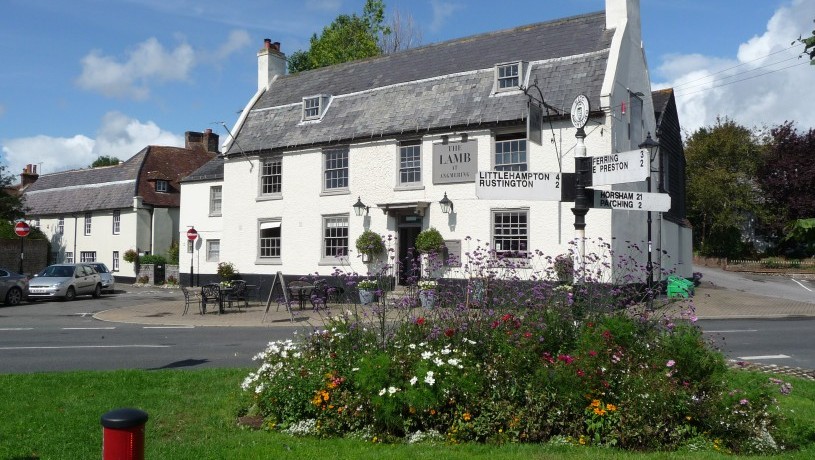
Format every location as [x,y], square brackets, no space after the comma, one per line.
[670,363]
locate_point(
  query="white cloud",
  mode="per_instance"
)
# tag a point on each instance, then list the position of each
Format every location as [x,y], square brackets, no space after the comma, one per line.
[149,62]
[441,11]
[119,136]
[763,85]
[235,42]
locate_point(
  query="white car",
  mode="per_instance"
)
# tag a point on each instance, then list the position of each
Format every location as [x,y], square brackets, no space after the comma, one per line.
[108,280]
[65,281]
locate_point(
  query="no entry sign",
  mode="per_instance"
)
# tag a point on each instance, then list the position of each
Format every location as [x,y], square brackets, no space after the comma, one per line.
[21,229]
[192,234]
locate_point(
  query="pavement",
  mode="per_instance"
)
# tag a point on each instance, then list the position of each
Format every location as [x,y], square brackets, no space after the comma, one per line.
[709,301]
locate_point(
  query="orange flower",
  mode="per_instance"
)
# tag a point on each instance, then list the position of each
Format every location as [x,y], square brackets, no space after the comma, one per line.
[466,416]
[599,411]
[611,407]
[595,403]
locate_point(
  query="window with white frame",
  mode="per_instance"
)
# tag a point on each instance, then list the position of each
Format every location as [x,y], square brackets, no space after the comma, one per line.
[510,152]
[510,232]
[117,221]
[87,256]
[335,236]
[508,76]
[162,186]
[215,200]
[314,106]
[213,250]
[271,177]
[69,257]
[115,266]
[269,233]
[335,169]
[88,217]
[61,226]
[410,163]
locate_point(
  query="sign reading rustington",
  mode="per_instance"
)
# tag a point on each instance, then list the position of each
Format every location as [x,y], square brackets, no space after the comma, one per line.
[21,229]
[518,185]
[192,234]
[619,168]
[632,201]
[455,162]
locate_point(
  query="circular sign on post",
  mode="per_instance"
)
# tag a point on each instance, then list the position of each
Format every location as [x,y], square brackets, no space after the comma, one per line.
[192,234]
[580,111]
[21,229]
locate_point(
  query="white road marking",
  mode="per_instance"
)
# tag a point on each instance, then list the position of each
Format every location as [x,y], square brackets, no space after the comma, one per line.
[169,327]
[17,329]
[87,328]
[731,330]
[750,358]
[84,346]
[801,284]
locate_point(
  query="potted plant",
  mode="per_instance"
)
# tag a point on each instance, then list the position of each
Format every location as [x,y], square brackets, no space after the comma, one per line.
[370,245]
[427,293]
[367,291]
[226,271]
[429,241]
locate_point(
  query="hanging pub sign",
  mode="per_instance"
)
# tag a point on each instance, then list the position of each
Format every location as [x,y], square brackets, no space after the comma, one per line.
[455,162]
[534,124]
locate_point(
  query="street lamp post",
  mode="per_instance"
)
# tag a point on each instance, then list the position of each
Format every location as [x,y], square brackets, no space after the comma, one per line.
[651,145]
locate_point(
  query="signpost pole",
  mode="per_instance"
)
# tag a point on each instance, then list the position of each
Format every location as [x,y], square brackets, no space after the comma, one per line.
[22,253]
[192,234]
[582,179]
[21,229]
[649,144]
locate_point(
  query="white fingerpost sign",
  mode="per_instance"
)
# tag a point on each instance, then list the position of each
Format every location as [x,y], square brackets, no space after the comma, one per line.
[619,168]
[632,201]
[518,185]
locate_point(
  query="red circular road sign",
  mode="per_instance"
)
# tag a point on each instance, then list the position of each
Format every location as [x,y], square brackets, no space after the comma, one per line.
[192,234]
[21,229]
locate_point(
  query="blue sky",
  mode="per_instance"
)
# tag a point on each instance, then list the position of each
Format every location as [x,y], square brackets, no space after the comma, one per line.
[87,78]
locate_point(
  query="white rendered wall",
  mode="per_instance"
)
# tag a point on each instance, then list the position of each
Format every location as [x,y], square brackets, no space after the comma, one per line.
[195,213]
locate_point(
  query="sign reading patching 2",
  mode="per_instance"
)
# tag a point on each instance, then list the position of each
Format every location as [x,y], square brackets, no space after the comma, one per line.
[455,162]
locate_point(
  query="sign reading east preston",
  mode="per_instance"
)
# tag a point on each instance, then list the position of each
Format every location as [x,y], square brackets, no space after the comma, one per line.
[632,201]
[455,162]
[619,168]
[518,185]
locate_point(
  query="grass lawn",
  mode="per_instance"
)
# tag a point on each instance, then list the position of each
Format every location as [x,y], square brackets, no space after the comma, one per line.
[193,413]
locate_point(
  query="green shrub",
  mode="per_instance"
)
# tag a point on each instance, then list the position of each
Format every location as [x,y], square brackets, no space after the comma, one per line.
[172,254]
[152,259]
[370,244]
[130,256]
[226,271]
[429,240]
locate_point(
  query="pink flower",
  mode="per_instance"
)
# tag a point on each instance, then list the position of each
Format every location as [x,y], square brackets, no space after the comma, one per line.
[670,363]
[744,402]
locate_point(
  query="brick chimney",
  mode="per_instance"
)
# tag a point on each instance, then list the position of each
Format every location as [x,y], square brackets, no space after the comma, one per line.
[201,141]
[29,175]
[271,63]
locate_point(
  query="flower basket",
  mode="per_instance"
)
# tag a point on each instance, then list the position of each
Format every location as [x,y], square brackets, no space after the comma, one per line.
[427,293]
[367,291]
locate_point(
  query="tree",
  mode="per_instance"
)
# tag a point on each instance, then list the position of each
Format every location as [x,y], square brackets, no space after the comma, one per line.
[346,39]
[787,180]
[809,46]
[403,34]
[105,160]
[722,162]
[11,205]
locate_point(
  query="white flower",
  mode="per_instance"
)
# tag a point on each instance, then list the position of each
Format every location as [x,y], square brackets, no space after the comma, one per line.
[392,390]
[354,369]
[412,346]
[427,355]
[429,378]
[445,351]
[452,362]
[382,392]
[413,380]
[438,362]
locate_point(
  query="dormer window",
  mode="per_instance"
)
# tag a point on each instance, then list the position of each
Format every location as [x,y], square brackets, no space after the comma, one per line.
[508,76]
[314,106]
[162,186]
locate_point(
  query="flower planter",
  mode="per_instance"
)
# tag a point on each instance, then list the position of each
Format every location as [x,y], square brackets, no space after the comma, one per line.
[366,297]
[427,298]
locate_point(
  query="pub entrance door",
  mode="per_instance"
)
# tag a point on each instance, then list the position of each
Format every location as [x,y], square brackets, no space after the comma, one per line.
[409,263]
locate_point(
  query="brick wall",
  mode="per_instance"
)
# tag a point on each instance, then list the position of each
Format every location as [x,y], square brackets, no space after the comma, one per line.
[36,255]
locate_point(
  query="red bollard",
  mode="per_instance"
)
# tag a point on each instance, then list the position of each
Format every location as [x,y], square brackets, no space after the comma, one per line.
[123,434]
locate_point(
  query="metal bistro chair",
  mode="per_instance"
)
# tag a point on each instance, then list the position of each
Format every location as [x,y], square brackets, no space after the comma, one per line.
[210,293]
[237,295]
[189,298]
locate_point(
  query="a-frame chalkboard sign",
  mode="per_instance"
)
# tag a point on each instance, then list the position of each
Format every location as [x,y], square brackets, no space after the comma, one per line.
[278,279]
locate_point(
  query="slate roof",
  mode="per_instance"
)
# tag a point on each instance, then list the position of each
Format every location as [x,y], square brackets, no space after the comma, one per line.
[113,187]
[440,86]
[211,171]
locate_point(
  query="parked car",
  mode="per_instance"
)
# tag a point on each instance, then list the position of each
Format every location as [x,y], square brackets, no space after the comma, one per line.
[65,281]
[13,287]
[108,280]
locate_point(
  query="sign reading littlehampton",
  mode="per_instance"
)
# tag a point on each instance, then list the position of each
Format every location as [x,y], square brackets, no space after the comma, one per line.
[518,185]
[632,201]
[619,168]
[455,162]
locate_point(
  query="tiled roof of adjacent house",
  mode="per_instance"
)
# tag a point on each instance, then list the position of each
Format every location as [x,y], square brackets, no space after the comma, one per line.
[435,87]
[212,170]
[113,187]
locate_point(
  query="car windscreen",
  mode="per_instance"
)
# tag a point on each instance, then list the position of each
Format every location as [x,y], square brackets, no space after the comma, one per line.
[58,271]
[99,268]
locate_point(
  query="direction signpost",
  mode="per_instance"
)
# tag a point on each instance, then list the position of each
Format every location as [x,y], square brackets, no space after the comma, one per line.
[519,185]
[619,168]
[192,235]
[632,201]
[21,229]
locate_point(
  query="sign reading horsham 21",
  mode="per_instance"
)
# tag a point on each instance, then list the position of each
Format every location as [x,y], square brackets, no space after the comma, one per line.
[455,162]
